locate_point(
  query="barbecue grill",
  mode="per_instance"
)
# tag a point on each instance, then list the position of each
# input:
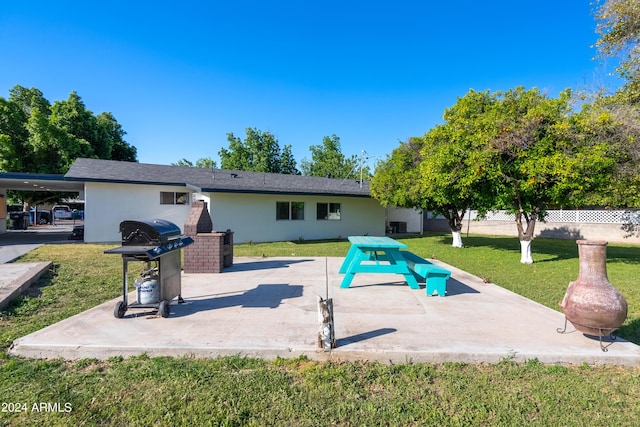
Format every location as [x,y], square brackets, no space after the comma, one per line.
[157,242]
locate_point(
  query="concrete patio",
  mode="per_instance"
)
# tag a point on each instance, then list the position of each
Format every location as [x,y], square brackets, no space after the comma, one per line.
[267,308]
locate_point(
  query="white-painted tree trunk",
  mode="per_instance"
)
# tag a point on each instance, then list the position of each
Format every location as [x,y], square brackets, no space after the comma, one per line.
[457,239]
[525,252]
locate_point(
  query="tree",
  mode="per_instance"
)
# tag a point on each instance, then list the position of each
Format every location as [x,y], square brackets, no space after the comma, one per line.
[517,150]
[14,115]
[540,158]
[619,29]
[37,137]
[288,162]
[397,178]
[36,131]
[206,162]
[327,160]
[617,115]
[259,152]
[111,140]
[442,171]
[13,136]
[616,127]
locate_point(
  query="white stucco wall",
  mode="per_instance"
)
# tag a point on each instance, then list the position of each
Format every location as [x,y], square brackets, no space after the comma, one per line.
[106,205]
[413,218]
[252,217]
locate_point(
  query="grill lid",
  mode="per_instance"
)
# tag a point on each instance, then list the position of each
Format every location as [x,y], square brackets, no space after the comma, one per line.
[148,232]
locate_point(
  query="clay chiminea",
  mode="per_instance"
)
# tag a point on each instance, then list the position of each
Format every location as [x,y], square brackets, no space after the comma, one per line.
[591,303]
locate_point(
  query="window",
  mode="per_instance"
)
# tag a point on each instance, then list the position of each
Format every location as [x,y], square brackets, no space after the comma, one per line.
[289,210]
[297,210]
[282,210]
[328,211]
[173,198]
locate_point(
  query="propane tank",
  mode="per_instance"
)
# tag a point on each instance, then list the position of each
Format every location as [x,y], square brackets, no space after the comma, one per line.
[147,289]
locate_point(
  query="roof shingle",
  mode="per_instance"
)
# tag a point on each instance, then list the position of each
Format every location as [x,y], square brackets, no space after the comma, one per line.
[212,180]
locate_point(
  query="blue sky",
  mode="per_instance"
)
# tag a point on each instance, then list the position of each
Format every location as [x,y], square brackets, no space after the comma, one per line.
[179,76]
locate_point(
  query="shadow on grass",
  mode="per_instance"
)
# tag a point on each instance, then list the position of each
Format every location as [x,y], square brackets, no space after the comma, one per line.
[630,331]
[554,249]
[312,242]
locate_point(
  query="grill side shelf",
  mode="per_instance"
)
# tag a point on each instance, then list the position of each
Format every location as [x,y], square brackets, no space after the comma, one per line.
[151,251]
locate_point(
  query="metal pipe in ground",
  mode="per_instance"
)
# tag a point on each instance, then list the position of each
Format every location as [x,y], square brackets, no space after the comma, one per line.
[327,335]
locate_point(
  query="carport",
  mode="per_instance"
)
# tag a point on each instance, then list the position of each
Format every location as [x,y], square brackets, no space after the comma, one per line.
[32,182]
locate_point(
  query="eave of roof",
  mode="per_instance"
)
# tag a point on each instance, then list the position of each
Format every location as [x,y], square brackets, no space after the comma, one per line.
[213,180]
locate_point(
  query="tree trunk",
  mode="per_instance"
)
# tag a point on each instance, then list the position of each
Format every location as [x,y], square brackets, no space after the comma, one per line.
[526,235]
[454,219]
[457,239]
[525,252]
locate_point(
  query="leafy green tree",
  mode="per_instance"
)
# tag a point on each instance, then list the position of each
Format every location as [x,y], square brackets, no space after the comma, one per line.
[541,159]
[618,25]
[15,150]
[442,171]
[37,137]
[397,179]
[519,150]
[615,129]
[13,136]
[288,162]
[78,124]
[259,152]
[34,130]
[111,144]
[206,162]
[327,160]
[183,162]
[87,135]
[44,145]
[617,117]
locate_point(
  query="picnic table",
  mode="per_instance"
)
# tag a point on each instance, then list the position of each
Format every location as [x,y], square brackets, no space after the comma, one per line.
[366,254]
[370,254]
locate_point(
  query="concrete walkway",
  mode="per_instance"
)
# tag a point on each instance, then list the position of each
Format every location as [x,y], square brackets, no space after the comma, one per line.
[15,243]
[15,278]
[267,308]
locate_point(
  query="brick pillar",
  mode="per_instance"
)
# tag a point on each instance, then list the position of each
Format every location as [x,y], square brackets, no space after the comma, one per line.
[211,250]
[205,255]
[228,249]
[199,220]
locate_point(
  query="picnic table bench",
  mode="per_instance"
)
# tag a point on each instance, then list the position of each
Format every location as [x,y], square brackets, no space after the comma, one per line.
[367,252]
[435,277]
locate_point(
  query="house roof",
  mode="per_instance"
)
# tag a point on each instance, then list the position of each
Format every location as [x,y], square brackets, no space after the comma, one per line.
[212,180]
[37,182]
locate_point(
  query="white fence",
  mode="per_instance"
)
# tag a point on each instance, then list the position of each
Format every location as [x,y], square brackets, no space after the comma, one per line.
[581,216]
[606,225]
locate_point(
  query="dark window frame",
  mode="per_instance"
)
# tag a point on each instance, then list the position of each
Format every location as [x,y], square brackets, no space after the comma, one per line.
[174,198]
[289,211]
[328,211]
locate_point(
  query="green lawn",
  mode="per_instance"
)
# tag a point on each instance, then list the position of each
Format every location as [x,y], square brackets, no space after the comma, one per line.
[237,391]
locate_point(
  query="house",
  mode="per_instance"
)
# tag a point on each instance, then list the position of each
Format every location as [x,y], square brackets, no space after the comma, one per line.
[256,206]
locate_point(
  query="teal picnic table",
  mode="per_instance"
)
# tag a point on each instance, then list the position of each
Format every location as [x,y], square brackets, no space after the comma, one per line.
[371,254]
